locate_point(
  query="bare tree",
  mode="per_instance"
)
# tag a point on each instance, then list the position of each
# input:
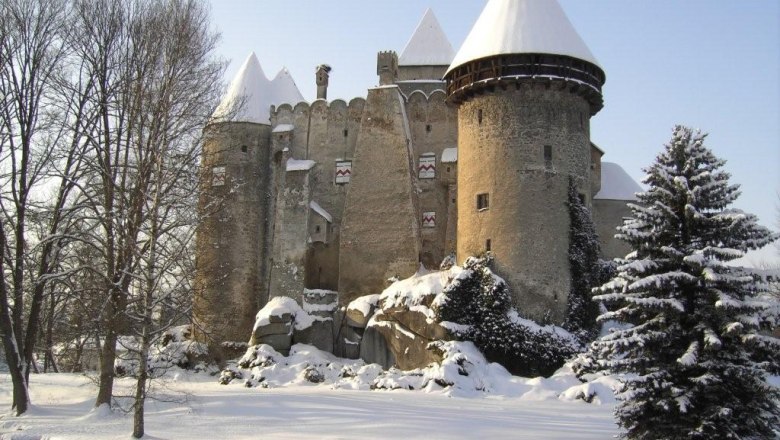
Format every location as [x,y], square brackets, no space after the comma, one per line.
[178,97]
[32,50]
[155,74]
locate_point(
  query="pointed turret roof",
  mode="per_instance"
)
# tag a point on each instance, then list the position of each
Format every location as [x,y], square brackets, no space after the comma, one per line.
[284,89]
[522,26]
[251,94]
[428,46]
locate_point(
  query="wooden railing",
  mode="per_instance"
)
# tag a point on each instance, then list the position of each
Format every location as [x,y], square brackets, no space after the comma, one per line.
[525,66]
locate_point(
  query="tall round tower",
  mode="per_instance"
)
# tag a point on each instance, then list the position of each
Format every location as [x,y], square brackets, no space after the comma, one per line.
[229,283]
[526,86]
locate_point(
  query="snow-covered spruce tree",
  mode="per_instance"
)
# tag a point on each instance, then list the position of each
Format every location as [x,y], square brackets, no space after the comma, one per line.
[585,269]
[693,358]
[480,303]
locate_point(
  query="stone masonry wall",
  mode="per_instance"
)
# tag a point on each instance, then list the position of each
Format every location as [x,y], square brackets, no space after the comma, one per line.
[501,138]
[434,127]
[229,240]
[380,233]
[290,236]
[326,133]
[608,215]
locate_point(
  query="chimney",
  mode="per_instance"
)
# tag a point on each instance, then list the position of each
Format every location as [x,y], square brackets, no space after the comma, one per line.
[323,73]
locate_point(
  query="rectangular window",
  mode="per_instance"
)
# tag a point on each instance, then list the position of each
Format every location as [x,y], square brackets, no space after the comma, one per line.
[487,245]
[483,201]
[427,166]
[218,176]
[429,219]
[548,156]
[343,171]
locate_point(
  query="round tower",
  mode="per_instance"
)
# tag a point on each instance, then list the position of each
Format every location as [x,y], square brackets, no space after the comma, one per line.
[526,86]
[233,205]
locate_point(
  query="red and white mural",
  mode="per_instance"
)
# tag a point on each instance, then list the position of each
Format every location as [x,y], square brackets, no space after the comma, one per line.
[343,171]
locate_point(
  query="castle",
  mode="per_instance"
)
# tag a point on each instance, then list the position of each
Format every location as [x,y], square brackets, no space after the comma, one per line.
[453,153]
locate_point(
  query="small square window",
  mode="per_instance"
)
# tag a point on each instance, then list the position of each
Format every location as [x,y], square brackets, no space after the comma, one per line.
[243,148]
[428,128]
[483,201]
[346,132]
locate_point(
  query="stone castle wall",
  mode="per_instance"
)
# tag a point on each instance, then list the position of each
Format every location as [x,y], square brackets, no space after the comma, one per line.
[325,133]
[433,125]
[381,226]
[607,216]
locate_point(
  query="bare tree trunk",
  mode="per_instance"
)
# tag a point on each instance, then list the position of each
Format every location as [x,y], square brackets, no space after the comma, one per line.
[49,334]
[143,373]
[16,366]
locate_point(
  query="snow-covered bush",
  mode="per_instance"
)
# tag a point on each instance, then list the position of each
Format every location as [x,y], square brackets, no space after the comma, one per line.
[174,348]
[476,306]
[692,348]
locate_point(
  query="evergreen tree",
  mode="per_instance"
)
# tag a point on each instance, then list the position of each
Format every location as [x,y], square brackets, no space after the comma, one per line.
[693,358]
[585,269]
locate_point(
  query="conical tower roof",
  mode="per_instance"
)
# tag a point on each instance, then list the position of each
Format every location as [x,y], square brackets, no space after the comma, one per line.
[248,98]
[522,26]
[284,90]
[251,94]
[428,46]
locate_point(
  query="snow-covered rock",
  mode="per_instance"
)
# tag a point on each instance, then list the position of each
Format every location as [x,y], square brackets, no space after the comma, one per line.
[360,310]
[462,372]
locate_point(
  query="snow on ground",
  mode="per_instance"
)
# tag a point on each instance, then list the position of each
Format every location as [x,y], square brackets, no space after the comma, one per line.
[196,406]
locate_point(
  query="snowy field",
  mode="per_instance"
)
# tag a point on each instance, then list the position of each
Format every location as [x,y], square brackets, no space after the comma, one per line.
[195,406]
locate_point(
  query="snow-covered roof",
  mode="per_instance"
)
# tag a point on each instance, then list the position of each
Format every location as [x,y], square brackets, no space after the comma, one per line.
[321,211]
[428,46]
[522,26]
[251,94]
[449,155]
[281,128]
[284,90]
[300,165]
[616,184]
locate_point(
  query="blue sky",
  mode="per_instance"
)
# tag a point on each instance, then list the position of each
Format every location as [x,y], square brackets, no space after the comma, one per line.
[709,64]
